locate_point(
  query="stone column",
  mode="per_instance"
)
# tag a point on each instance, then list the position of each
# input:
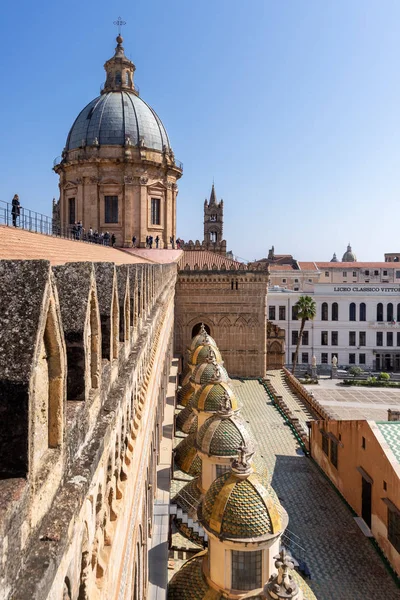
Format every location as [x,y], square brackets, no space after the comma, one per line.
[168,216]
[141,235]
[127,223]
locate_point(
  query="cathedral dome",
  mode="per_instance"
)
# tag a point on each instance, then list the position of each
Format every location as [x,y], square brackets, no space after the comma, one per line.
[117,118]
[349,255]
[239,506]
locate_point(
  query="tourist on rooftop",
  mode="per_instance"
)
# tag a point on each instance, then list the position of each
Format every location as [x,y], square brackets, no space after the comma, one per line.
[134,241]
[16,209]
[157,241]
[171,241]
[113,240]
[106,239]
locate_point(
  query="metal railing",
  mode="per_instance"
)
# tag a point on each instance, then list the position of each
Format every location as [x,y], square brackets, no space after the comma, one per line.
[30,220]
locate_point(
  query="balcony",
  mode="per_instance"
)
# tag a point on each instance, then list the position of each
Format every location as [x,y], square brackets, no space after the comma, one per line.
[384,324]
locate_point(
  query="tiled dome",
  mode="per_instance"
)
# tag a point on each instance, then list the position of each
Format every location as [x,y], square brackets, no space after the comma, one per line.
[209,372]
[222,436]
[186,457]
[237,507]
[202,339]
[205,353]
[213,397]
[185,419]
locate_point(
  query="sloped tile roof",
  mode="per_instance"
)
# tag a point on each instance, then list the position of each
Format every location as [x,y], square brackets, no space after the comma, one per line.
[196,259]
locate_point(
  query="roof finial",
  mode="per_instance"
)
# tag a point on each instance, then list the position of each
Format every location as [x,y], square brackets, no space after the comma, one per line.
[119,23]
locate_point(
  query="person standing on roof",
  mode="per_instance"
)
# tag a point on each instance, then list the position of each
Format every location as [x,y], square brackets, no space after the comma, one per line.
[16,209]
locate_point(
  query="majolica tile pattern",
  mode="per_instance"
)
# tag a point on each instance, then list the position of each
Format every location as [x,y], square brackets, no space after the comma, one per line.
[244,513]
[212,397]
[223,436]
[208,372]
[391,432]
[186,457]
[204,353]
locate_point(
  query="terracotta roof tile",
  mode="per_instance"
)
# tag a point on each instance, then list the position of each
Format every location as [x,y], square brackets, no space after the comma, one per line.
[308,266]
[357,265]
[282,268]
[17,244]
[205,257]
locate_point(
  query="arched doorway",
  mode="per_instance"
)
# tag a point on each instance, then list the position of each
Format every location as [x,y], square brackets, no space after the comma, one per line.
[196,329]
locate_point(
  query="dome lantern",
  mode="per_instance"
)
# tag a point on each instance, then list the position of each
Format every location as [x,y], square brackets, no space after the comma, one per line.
[120,71]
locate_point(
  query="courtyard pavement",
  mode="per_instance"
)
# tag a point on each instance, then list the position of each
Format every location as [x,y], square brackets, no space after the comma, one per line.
[344,564]
[355,402]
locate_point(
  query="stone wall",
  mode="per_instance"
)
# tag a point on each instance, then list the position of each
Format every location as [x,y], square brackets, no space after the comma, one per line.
[232,304]
[78,469]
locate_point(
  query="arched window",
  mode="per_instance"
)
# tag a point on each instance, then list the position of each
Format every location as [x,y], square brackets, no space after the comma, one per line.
[363,311]
[352,311]
[324,311]
[118,79]
[127,81]
[213,236]
[379,312]
[335,311]
[389,313]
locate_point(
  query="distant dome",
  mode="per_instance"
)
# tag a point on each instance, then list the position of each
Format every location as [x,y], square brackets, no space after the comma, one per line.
[334,258]
[349,255]
[114,118]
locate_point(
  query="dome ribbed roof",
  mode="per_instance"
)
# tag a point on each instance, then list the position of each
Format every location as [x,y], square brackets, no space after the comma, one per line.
[114,117]
[186,456]
[237,508]
[205,353]
[202,339]
[212,397]
[222,436]
[349,255]
[209,372]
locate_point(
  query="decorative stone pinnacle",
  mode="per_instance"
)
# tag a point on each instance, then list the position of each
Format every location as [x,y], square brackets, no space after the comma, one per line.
[225,410]
[281,585]
[241,466]
[210,355]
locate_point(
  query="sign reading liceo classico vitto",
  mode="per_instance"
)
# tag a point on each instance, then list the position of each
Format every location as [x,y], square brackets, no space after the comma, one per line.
[357,289]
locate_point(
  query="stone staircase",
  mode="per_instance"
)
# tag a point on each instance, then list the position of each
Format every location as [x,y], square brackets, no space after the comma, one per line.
[191,524]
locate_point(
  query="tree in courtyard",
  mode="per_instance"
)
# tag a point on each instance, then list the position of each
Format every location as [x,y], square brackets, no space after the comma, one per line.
[306,311]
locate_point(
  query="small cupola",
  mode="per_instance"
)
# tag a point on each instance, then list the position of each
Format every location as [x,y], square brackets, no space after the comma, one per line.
[120,71]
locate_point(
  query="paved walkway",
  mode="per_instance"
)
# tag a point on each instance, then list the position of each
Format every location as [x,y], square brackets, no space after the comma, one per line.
[158,553]
[294,402]
[343,563]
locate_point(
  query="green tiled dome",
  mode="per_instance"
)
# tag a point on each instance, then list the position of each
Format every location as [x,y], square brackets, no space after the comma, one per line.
[209,372]
[240,508]
[202,339]
[186,457]
[222,436]
[212,397]
[185,393]
[205,353]
[185,419]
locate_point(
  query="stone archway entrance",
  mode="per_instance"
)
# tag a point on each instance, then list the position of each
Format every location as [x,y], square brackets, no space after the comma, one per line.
[197,327]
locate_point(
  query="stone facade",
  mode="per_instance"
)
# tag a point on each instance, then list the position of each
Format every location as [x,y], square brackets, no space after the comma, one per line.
[231,302]
[82,407]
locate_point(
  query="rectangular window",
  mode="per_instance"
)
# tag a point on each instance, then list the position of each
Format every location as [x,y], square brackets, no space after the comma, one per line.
[293,353]
[354,273]
[111,209]
[376,273]
[334,453]
[304,358]
[295,337]
[394,527]
[282,313]
[352,359]
[283,280]
[326,273]
[362,338]
[367,272]
[379,338]
[304,339]
[324,358]
[397,274]
[272,314]
[352,338]
[334,338]
[324,338]
[361,359]
[246,570]
[385,273]
[344,273]
[71,211]
[325,443]
[155,211]
[294,313]
[398,338]
[389,338]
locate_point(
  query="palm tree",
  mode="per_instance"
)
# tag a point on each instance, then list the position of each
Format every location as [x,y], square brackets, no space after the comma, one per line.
[306,311]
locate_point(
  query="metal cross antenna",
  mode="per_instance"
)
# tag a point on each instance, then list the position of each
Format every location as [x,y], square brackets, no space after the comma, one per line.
[119,23]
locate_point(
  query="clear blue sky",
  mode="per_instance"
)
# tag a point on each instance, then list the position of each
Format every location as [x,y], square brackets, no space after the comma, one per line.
[293,107]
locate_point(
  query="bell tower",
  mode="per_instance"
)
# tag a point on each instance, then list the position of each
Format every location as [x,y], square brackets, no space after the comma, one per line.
[213,221]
